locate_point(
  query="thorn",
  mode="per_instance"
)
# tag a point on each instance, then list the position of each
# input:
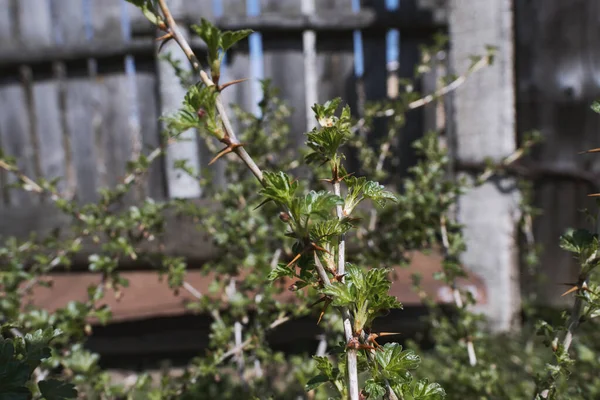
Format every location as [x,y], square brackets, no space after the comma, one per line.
[345,176]
[165,38]
[594,195]
[226,85]
[338,277]
[327,303]
[319,248]
[226,150]
[574,288]
[295,259]
[262,204]
[230,148]
[597,150]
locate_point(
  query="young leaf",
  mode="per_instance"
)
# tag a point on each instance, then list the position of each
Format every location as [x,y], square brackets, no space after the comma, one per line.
[230,38]
[211,35]
[424,390]
[395,364]
[315,382]
[374,389]
[149,9]
[53,389]
[281,271]
[279,187]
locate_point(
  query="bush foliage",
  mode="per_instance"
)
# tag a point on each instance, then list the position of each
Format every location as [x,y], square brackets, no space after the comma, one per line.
[296,216]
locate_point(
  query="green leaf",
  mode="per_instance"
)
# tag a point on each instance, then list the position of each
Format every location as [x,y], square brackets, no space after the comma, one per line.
[279,187]
[230,38]
[148,8]
[374,389]
[424,390]
[36,345]
[359,189]
[281,271]
[596,107]
[316,381]
[395,364]
[217,40]
[341,293]
[53,389]
[576,241]
[14,373]
[211,35]
[318,204]
[333,133]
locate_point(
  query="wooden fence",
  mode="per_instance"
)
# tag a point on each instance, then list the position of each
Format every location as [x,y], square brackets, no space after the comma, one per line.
[81,89]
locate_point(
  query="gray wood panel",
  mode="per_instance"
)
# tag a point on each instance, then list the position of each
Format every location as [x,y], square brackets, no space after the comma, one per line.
[147,88]
[36,31]
[15,137]
[484,120]
[557,74]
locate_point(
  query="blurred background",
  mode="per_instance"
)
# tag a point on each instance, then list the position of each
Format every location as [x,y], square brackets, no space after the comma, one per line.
[82,88]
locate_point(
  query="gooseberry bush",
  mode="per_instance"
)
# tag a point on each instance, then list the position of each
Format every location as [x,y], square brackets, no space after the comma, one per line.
[293,220]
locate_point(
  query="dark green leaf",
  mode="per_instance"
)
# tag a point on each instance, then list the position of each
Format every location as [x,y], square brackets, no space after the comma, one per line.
[315,382]
[428,391]
[53,389]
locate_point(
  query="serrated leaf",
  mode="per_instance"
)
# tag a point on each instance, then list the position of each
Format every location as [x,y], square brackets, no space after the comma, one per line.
[315,382]
[148,8]
[211,35]
[281,271]
[395,363]
[374,389]
[342,295]
[576,241]
[326,367]
[424,390]
[53,389]
[278,187]
[229,38]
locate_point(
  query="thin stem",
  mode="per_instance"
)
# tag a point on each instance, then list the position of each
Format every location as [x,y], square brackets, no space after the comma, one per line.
[348,334]
[247,159]
[456,295]
[348,331]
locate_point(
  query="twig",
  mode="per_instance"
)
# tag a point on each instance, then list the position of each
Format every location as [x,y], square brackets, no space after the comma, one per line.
[456,295]
[247,159]
[230,133]
[455,84]
[198,295]
[235,350]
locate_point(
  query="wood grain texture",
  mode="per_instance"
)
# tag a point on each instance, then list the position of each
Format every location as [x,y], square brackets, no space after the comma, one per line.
[484,122]
[179,183]
[557,75]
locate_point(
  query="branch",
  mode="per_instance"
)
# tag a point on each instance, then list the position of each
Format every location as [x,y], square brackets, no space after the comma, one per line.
[235,144]
[452,86]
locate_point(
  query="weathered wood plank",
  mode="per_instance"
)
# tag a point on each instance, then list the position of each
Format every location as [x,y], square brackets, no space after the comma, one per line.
[284,65]
[36,32]
[15,138]
[557,73]
[79,111]
[179,183]
[76,97]
[147,92]
[309,50]
[114,126]
[484,120]
[7,27]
